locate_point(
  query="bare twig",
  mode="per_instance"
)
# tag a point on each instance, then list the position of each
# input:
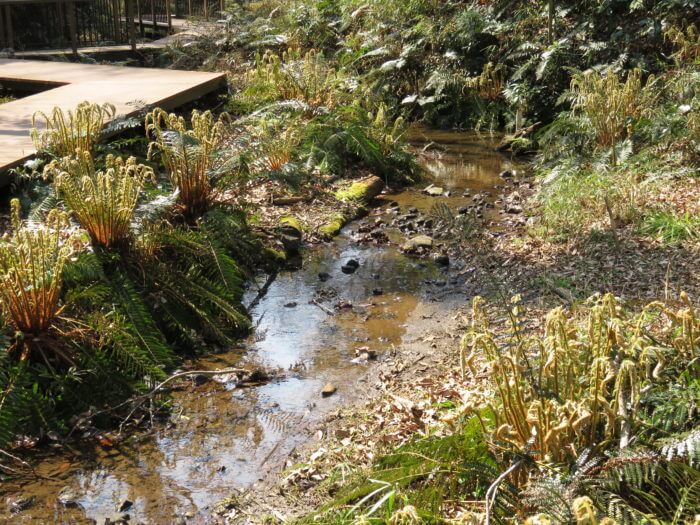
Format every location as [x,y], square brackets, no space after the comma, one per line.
[493,489]
[21,462]
[139,400]
[324,308]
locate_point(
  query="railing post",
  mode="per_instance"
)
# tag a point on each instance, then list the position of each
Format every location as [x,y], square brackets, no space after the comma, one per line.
[115,21]
[168,16]
[72,26]
[142,29]
[131,28]
[154,20]
[3,39]
[10,34]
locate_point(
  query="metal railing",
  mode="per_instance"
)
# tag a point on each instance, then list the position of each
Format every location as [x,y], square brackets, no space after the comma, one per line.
[62,24]
[56,24]
[199,8]
[153,14]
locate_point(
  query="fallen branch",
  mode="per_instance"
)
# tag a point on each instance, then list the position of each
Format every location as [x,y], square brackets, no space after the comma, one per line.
[563,293]
[139,400]
[286,201]
[325,309]
[262,291]
[149,396]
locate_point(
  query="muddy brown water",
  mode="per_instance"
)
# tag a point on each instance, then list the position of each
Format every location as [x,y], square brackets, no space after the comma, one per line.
[220,438]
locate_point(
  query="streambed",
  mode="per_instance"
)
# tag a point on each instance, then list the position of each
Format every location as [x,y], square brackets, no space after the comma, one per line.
[220,438]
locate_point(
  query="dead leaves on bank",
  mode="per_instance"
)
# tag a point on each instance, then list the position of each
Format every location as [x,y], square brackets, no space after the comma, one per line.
[410,408]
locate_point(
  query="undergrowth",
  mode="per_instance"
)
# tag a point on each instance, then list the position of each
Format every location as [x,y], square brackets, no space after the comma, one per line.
[590,418]
[112,280]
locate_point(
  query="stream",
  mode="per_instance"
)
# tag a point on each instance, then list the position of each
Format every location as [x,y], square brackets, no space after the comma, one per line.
[218,437]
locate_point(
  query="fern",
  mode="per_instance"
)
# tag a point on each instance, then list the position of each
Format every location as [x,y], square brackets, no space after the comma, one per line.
[686,447]
[13,398]
[228,228]
[140,321]
[129,349]
[647,487]
[195,286]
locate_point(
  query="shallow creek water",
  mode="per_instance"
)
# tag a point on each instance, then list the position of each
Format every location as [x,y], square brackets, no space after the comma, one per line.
[221,438]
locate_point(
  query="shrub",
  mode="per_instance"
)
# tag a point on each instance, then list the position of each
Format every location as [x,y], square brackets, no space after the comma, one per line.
[610,104]
[103,202]
[66,133]
[294,76]
[189,155]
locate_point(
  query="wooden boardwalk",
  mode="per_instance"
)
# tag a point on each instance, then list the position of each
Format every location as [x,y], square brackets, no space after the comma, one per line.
[67,84]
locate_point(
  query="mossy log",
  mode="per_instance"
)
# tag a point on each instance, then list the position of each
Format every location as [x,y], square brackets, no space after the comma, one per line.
[513,143]
[359,193]
[362,191]
[334,225]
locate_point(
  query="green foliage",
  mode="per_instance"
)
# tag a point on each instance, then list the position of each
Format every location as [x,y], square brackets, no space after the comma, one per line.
[135,340]
[113,306]
[14,382]
[103,202]
[574,200]
[67,132]
[195,288]
[671,228]
[427,472]
[354,136]
[307,78]
[228,229]
[581,385]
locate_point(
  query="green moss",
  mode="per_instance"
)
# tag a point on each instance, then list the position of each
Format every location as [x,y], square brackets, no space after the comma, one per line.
[291,222]
[333,227]
[277,256]
[355,192]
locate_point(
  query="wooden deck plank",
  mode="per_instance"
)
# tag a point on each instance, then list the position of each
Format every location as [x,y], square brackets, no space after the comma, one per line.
[125,87]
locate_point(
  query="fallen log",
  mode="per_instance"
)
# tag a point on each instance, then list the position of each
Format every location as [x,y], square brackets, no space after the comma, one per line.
[363,190]
[360,193]
[286,201]
[510,140]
